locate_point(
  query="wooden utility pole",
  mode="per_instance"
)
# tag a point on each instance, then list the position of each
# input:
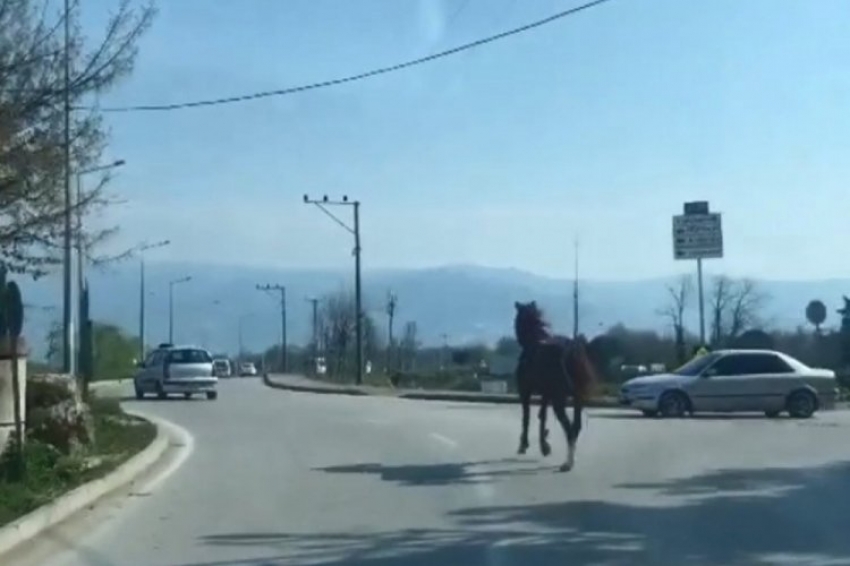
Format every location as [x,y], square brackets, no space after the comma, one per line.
[392,301]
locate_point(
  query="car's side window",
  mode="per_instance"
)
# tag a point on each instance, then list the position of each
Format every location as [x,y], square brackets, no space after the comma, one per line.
[728,365]
[768,363]
[154,360]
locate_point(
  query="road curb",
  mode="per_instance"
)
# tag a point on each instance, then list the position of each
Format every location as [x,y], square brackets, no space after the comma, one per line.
[425,395]
[61,508]
[352,391]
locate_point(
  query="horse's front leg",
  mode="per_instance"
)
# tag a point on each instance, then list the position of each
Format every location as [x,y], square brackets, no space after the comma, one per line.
[545,447]
[525,400]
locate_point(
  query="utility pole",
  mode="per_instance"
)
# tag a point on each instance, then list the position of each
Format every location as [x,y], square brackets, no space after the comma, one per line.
[67,310]
[355,231]
[575,292]
[392,301]
[284,361]
[315,304]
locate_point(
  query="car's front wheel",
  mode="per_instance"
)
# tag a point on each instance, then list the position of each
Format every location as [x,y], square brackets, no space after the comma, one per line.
[139,393]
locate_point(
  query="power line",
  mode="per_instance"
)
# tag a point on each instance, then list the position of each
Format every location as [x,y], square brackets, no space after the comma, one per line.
[359,76]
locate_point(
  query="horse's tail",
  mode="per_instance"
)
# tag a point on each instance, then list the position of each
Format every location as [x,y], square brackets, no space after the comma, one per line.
[581,370]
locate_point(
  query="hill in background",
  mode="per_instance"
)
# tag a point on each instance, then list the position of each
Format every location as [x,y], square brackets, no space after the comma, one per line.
[466,303]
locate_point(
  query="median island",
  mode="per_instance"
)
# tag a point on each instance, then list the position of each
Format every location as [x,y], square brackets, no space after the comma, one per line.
[68,443]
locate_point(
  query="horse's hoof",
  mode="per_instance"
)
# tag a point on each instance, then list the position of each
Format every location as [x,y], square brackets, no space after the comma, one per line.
[545,449]
[522,450]
[565,468]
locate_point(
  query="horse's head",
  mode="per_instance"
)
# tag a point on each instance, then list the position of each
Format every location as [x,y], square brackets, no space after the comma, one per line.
[529,325]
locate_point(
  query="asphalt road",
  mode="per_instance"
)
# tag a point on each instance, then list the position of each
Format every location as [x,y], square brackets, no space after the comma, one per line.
[290,478]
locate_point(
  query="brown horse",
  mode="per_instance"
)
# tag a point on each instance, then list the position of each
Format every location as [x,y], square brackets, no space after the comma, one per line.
[555,367]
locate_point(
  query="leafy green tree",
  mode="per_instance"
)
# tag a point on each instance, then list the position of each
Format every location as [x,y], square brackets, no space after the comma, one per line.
[114,352]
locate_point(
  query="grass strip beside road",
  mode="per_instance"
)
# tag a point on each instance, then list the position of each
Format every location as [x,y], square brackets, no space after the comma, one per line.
[50,474]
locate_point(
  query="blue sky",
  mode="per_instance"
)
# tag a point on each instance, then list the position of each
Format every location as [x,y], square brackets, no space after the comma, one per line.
[599,125]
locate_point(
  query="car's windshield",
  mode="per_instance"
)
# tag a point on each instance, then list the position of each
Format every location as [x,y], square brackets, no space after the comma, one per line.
[697,365]
[189,356]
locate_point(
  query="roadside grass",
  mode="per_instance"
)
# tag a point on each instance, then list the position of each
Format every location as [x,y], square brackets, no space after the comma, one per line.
[50,473]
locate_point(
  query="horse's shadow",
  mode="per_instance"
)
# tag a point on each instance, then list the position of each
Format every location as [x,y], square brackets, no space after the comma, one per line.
[448,473]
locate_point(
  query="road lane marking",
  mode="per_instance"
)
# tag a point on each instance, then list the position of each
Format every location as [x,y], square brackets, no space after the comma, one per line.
[444,439]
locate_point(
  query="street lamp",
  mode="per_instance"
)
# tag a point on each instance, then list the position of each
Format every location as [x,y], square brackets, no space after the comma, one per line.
[68,358]
[171,285]
[355,231]
[142,249]
[242,319]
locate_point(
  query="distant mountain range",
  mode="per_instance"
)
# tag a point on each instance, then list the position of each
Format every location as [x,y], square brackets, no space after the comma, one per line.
[466,303]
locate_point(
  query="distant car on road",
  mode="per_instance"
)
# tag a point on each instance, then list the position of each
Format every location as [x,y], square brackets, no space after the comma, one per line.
[222,367]
[170,369]
[734,381]
[247,369]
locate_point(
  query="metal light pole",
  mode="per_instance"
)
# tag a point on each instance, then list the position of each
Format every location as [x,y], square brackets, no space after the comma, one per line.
[315,347]
[355,231]
[171,285]
[284,358]
[67,310]
[80,241]
[239,328]
[142,250]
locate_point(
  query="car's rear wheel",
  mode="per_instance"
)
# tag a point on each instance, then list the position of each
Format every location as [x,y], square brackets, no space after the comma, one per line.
[212,395]
[649,413]
[160,392]
[801,404]
[139,393]
[673,405]
[187,395]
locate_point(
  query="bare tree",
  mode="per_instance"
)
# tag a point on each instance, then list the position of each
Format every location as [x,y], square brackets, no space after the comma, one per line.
[337,317]
[735,307]
[679,295]
[32,114]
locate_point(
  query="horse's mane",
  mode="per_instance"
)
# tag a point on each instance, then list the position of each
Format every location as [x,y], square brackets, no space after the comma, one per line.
[530,324]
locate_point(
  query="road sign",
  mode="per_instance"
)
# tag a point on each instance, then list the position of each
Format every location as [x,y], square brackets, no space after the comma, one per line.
[696,207]
[697,236]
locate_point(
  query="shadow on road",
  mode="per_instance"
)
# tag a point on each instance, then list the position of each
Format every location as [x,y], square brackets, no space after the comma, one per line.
[440,474]
[728,517]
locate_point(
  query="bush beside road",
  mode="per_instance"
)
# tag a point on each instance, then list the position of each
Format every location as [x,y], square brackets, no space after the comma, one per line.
[67,447]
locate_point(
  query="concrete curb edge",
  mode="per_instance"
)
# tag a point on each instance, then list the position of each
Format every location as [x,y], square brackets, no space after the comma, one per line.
[61,508]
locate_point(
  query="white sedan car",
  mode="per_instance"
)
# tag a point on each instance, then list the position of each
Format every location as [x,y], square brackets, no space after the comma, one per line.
[734,381]
[247,369]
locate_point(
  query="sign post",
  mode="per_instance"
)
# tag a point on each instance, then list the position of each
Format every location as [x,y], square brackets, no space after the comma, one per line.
[698,234]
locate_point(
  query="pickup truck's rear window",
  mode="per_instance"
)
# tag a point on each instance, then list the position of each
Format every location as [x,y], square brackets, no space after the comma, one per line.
[188,356]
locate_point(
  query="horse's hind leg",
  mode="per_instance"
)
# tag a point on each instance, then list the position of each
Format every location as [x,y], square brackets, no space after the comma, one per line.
[545,447]
[525,399]
[559,407]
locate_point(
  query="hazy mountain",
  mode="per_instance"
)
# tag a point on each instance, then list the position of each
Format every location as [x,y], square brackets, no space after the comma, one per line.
[467,303]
